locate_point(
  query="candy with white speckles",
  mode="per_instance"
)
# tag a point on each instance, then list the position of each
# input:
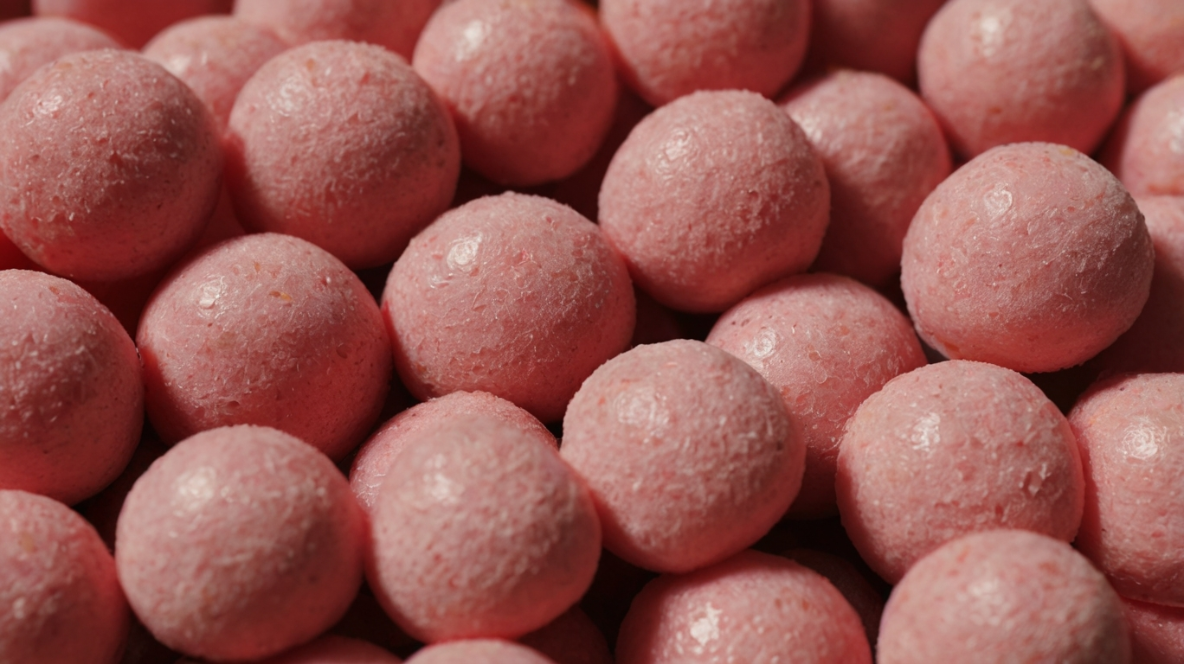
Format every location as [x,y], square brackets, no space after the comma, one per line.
[1146,149]
[28,43]
[393,24]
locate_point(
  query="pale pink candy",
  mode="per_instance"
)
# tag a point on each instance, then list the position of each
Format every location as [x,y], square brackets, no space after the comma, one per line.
[1151,33]
[133,22]
[478,651]
[394,24]
[1146,149]
[28,43]
[1157,632]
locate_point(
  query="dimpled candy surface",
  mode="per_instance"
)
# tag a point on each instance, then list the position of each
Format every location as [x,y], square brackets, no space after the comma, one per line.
[1151,33]
[478,651]
[265,329]
[239,543]
[713,196]
[688,452]
[1032,256]
[530,84]
[394,24]
[1131,432]
[949,449]
[670,48]
[1157,632]
[883,152]
[100,195]
[1146,150]
[514,295]
[357,183]
[1003,596]
[481,531]
[375,456]
[826,343]
[133,22]
[870,35]
[752,607]
[1007,71]
[61,597]
[71,396]
[28,43]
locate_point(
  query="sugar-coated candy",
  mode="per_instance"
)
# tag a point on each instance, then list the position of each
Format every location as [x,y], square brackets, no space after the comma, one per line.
[1009,71]
[133,22]
[28,43]
[61,597]
[1146,149]
[572,638]
[394,24]
[752,607]
[670,48]
[1157,632]
[1003,596]
[687,450]
[953,448]
[265,329]
[358,184]
[870,35]
[1032,256]
[1151,33]
[239,543]
[480,531]
[1131,432]
[826,343]
[71,396]
[94,194]
[514,295]
[712,196]
[478,651]
[883,152]
[857,590]
[522,120]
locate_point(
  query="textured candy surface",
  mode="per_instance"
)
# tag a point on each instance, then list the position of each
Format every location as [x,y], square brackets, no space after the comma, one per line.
[394,25]
[1146,149]
[28,43]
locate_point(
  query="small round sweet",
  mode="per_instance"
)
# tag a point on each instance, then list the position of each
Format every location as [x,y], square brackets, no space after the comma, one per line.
[71,394]
[133,22]
[514,295]
[375,456]
[61,596]
[98,195]
[214,56]
[395,25]
[358,183]
[883,152]
[265,329]
[688,452]
[713,196]
[671,48]
[857,590]
[28,43]
[752,607]
[480,531]
[1032,256]
[1146,149]
[522,120]
[1003,596]
[332,649]
[870,35]
[239,543]
[826,343]
[1157,632]
[1131,432]
[975,54]
[478,651]
[949,449]
[1151,33]
[572,638]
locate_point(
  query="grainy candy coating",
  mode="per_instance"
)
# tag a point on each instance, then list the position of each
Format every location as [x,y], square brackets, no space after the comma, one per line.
[1157,632]
[28,43]
[100,195]
[1032,256]
[826,343]
[133,22]
[394,24]
[514,295]
[713,196]
[265,329]
[239,543]
[688,452]
[1146,150]
[1151,33]
[1003,596]
[949,449]
[478,651]
[71,396]
[670,48]
[856,589]
[62,601]
[870,35]
[753,607]
[1006,71]
[481,531]
[1131,432]
[572,638]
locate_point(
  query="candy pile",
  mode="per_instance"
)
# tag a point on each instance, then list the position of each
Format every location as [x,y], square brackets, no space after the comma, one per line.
[646,331]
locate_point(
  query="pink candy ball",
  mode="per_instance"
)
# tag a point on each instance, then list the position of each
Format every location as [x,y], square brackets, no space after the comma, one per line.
[713,196]
[1151,33]
[870,35]
[478,651]
[1146,149]
[334,650]
[239,543]
[572,638]
[1157,632]
[28,43]
[62,601]
[1032,256]
[394,24]
[133,22]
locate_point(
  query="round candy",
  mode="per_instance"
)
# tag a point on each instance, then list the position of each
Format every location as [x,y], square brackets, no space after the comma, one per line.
[1146,149]
[713,196]
[333,650]
[572,638]
[94,194]
[62,601]
[856,589]
[688,452]
[1032,256]
[71,396]
[870,35]
[1151,33]
[949,449]
[265,329]
[1157,632]
[239,543]
[28,43]
[394,24]
[478,651]
[133,22]
[514,295]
